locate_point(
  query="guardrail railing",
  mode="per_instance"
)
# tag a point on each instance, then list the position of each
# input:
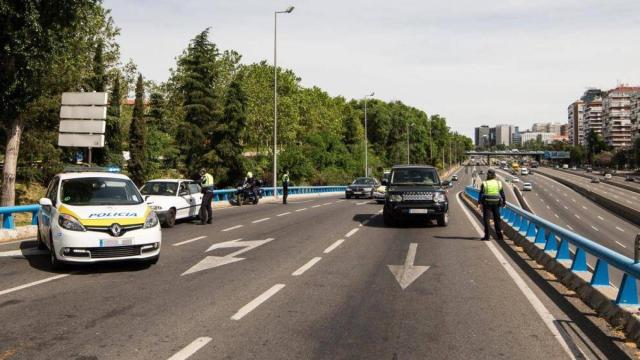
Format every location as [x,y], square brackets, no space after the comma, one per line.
[546,235]
[8,219]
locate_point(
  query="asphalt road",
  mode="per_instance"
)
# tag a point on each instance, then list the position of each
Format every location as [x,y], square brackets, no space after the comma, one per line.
[311,280]
[620,179]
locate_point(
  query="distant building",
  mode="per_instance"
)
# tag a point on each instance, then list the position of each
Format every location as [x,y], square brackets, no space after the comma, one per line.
[546,127]
[515,136]
[482,136]
[492,136]
[545,137]
[575,123]
[616,116]
[635,116]
[503,135]
[592,100]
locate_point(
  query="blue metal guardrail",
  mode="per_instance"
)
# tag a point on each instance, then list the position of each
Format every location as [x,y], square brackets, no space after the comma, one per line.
[218,195]
[545,233]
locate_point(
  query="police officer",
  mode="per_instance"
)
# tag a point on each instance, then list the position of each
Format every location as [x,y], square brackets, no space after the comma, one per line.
[285,186]
[206,213]
[492,198]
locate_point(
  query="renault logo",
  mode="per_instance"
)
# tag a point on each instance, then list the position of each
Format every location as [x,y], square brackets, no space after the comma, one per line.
[116,230]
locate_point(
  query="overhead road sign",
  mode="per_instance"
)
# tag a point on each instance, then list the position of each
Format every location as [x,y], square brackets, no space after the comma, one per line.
[82,119]
[557,155]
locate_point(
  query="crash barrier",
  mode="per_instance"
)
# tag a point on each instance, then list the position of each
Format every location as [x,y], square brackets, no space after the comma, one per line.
[226,194]
[8,221]
[616,207]
[605,180]
[546,235]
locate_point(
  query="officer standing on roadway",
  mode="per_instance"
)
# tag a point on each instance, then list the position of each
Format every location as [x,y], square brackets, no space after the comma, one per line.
[285,186]
[491,199]
[206,213]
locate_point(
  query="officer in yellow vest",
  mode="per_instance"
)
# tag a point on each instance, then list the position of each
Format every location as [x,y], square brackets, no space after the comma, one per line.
[285,186]
[491,200]
[206,213]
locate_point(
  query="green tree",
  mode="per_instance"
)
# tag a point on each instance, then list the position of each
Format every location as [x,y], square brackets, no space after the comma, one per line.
[137,134]
[230,131]
[595,145]
[98,81]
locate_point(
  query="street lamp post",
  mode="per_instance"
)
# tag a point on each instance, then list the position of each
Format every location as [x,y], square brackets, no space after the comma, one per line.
[275,98]
[366,146]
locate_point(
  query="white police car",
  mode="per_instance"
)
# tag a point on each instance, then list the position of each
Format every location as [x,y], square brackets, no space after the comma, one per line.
[95,216]
[173,199]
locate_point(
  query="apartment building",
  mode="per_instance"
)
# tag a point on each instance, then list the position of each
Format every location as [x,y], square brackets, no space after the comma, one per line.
[616,116]
[503,135]
[482,136]
[547,128]
[575,123]
[635,115]
[592,100]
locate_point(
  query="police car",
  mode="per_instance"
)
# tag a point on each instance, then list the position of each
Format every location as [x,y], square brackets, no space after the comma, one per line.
[95,216]
[173,199]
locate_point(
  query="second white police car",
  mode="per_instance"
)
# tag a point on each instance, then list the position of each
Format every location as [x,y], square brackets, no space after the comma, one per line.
[96,216]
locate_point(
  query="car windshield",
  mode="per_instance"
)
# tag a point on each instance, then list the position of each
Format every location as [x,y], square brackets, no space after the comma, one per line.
[414,176]
[363,181]
[162,188]
[99,191]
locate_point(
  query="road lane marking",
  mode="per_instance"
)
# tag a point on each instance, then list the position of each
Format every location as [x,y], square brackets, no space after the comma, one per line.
[548,207]
[189,241]
[257,302]
[191,349]
[329,203]
[21,253]
[547,317]
[333,246]
[621,244]
[353,231]
[232,228]
[341,200]
[584,207]
[316,206]
[260,220]
[306,266]
[556,215]
[577,216]
[569,227]
[566,208]
[594,228]
[600,217]
[362,203]
[574,200]
[303,209]
[283,214]
[364,223]
[28,285]
[619,228]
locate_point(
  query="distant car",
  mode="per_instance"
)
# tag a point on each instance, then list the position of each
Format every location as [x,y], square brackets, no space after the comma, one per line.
[629,178]
[589,169]
[595,180]
[379,193]
[515,180]
[524,171]
[565,166]
[361,187]
[526,187]
[455,178]
[173,199]
[574,168]
[607,176]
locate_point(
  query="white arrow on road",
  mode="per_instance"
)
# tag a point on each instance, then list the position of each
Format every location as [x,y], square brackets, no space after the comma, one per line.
[408,273]
[211,262]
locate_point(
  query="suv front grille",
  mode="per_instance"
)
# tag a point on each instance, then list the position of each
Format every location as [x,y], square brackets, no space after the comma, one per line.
[114,252]
[417,196]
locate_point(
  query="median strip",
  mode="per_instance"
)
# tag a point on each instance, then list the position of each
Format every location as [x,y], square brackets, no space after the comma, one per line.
[257,302]
[306,266]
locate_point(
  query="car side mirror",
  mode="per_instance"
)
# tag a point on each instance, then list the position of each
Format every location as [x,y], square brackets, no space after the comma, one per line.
[45,202]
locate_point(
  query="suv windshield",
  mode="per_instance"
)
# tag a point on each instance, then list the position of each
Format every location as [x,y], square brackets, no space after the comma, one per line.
[163,188]
[414,176]
[363,181]
[99,191]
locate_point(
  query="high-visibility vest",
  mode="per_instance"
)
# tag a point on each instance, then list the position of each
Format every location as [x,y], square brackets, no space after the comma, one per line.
[207,180]
[491,191]
[285,178]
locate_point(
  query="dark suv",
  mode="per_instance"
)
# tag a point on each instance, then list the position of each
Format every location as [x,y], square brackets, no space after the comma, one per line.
[415,191]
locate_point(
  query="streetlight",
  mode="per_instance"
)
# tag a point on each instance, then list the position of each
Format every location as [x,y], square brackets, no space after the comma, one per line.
[366,153]
[408,156]
[275,98]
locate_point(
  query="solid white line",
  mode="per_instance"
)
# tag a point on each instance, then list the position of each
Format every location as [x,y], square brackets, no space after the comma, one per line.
[13,289]
[353,231]
[600,217]
[232,228]
[594,228]
[191,349]
[303,209]
[261,220]
[190,240]
[619,228]
[306,266]
[621,244]
[283,214]
[548,318]
[333,246]
[257,301]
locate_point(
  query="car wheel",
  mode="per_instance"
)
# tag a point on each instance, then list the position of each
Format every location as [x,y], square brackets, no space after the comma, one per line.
[443,219]
[171,218]
[53,258]
[40,243]
[388,219]
[255,202]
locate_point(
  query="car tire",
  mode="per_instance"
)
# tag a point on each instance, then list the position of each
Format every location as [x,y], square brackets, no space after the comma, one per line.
[39,242]
[53,258]
[255,202]
[170,221]
[443,219]
[388,219]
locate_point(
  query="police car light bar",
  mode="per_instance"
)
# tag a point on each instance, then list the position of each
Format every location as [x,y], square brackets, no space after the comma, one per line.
[111,169]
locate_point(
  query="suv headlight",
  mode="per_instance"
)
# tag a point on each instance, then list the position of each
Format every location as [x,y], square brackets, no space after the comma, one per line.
[440,197]
[395,198]
[151,221]
[69,222]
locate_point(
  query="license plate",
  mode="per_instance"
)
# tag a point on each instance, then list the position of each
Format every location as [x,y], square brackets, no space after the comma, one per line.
[418,211]
[116,242]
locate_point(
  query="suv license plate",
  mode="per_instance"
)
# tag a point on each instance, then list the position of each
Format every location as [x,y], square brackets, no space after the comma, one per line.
[418,211]
[116,242]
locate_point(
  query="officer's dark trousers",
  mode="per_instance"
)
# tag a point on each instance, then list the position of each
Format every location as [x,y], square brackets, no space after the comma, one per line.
[285,194]
[492,210]
[206,211]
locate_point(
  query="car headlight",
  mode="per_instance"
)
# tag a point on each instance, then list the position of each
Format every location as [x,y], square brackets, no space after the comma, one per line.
[69,222]
[367,189]
[395,198]
[151,221]
[156,207]
[440,197]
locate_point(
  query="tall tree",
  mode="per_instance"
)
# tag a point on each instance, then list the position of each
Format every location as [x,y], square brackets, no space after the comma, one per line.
[98,81]
[137,134]
[114,138]
[230,131]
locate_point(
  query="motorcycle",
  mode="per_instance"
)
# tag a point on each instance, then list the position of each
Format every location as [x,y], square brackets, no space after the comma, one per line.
[248,194]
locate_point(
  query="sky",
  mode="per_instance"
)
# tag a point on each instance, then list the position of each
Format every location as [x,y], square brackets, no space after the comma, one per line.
[473,62]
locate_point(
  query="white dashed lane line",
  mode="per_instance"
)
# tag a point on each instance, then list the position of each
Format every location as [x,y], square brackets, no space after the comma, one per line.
[556,215]
[621,244]
[600,217]
[260,220]
[28,285]
[353,231]
[303,209]
[569,227]
[189,241]
[620,229]
[283,214]
[316,206]
[191,349]
[306,266]
[232,228]
[584,207]
[594,228]
[333,246]
[577,216]
[253,304]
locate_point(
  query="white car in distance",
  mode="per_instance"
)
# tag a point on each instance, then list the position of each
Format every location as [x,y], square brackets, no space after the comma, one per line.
[173,199]
[527,187]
